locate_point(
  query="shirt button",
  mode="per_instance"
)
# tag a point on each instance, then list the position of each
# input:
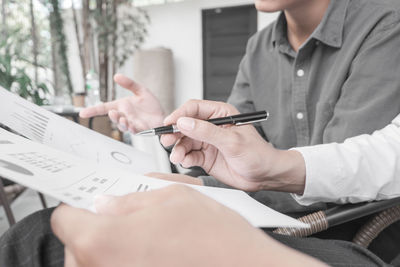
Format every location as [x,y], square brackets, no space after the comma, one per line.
[300,73]
[299,116]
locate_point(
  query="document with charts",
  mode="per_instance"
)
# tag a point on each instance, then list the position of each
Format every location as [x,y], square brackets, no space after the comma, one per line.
[76,181]
[47,128]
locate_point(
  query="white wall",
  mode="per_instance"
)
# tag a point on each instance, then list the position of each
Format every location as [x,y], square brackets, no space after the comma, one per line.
[178,26]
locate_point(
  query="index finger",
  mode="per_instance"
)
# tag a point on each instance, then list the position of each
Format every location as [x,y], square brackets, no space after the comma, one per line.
[201,109]
[98,110]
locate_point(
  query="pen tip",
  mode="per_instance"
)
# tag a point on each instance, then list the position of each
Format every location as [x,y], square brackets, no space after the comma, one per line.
[145,133]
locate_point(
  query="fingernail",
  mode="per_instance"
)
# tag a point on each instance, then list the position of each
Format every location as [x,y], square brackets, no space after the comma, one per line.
[186,123]
[172,157]
[123,127]
[102,202]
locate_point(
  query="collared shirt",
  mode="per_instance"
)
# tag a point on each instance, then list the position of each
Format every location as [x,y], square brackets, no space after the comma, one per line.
[366,167]
[343,81]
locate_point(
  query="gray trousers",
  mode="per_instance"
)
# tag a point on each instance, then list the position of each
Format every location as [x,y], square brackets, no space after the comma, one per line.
[31,243]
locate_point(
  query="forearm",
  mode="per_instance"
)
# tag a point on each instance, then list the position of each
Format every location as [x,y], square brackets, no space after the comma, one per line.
[274,253]
[252,247]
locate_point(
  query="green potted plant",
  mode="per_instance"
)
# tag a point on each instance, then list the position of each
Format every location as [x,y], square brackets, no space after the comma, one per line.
[15,79]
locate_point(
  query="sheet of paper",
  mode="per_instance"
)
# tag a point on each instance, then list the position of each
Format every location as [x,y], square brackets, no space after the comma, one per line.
[52,130]
[76,181]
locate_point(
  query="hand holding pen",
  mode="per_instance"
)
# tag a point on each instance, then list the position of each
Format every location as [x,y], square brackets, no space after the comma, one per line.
[237,156]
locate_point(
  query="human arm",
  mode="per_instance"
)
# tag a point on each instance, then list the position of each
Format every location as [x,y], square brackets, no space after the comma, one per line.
[174,226]
[138,112]
[363,168]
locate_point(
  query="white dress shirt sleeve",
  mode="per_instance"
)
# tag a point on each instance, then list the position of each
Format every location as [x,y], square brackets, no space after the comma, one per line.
[366,167]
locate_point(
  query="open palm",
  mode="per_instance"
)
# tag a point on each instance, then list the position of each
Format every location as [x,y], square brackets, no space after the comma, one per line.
[135,113]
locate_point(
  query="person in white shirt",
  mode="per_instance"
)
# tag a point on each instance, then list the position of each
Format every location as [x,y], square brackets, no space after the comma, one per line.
[362,168]
[177,226]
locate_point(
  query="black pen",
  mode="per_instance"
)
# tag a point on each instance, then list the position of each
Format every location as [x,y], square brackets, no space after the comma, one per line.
[240,119]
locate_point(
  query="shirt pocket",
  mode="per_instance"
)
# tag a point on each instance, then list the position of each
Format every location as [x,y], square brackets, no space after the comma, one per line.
[323,115]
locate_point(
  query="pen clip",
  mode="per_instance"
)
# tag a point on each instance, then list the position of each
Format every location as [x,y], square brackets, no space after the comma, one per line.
[250,122]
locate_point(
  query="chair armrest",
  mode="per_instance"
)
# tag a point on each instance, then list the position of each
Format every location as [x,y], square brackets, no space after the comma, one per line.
[322,220]
[375,225]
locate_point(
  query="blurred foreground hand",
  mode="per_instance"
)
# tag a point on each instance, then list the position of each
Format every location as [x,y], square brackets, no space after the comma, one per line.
[174,226]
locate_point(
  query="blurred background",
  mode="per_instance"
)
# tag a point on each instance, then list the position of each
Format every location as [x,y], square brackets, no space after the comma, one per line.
[58,51]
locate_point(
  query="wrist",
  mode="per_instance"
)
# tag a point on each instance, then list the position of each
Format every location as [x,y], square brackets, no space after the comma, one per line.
[285,172]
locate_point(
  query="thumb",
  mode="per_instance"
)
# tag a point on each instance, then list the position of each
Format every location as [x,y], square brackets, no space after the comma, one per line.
[204,131]
[68,223]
